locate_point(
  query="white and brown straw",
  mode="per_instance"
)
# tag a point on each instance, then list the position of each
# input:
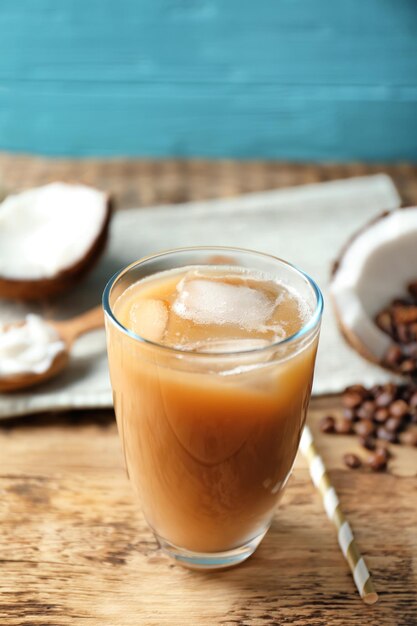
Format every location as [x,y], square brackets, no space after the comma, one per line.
[331,503]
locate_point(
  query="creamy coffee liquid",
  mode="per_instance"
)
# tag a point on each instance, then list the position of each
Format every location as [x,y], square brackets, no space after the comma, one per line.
[209,439]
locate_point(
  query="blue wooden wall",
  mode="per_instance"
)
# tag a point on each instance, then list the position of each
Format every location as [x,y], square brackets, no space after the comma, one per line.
[290,79]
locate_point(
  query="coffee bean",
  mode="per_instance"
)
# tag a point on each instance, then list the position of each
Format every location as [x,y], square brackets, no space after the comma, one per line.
[364,428]
[377,461]
[366,410]
[351,399]
[391,388]
[384,452]
[343,426]
[412,289]
[393,424]
[408,366]
[399,408]
[384,321]
[410,349]
[405,314]
[376,389]
[398,302]
[412,346]
[393,355]
[360,389]
[349,414]
[384,399]
[386,435]
[409,438]
[327,424]
[381,415]
[367,442]
[405,392]
[369,407]
[352,460]
[402,334]
[399,321]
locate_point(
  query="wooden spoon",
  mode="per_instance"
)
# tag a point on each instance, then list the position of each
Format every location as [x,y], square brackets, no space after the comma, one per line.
[68,331]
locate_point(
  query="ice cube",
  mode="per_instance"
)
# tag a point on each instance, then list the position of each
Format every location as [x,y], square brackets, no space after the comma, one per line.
[204,301]
[149,319]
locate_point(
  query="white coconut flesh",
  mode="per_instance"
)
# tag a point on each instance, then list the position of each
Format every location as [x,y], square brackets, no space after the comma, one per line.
[49,229]
[375,268]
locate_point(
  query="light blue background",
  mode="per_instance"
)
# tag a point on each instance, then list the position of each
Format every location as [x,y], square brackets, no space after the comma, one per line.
[290,79]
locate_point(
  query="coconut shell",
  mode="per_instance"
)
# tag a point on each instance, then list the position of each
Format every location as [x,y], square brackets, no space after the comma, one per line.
[349,333]
[63,281]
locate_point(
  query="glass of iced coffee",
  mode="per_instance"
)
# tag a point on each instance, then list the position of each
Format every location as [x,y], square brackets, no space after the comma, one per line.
[211,354]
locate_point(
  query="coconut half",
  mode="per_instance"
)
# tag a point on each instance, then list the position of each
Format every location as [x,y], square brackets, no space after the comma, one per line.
[374,267]
[49,237]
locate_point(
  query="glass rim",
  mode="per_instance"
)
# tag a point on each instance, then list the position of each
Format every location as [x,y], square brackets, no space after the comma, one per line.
[303,331]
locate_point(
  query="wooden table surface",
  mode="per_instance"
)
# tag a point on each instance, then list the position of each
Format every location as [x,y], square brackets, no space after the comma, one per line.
[74,548]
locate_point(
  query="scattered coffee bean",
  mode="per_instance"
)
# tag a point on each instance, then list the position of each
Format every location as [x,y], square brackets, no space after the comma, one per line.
[386,435]
[384,399]
[393,356]
[383,320]
[349,414]
[343,426]
[327,424]
[381,415]
[367,442]
[405,392]
[376,461]
[411,348]
[399,302]
[399,408]
[393,424]
[366,410]
[352,460]
[405,314]
[364,428]
[403,334]
[383,451]
[412,289]
[408,366]
[413,400]
[360,389]
[376,390]
[351,399]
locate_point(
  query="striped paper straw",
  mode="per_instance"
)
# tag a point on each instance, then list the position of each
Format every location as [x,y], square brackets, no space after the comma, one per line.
[331,503]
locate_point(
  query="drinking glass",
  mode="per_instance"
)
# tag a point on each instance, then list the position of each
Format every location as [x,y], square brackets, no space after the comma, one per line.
[209,439]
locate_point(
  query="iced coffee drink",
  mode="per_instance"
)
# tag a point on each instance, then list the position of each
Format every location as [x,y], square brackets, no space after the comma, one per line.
[211,367]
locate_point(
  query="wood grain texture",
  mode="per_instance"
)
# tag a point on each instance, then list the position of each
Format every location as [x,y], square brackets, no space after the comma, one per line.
[139,182]
[76,550]
[293,80]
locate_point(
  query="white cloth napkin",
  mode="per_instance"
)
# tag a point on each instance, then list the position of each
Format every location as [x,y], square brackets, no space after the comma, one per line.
[306,225]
